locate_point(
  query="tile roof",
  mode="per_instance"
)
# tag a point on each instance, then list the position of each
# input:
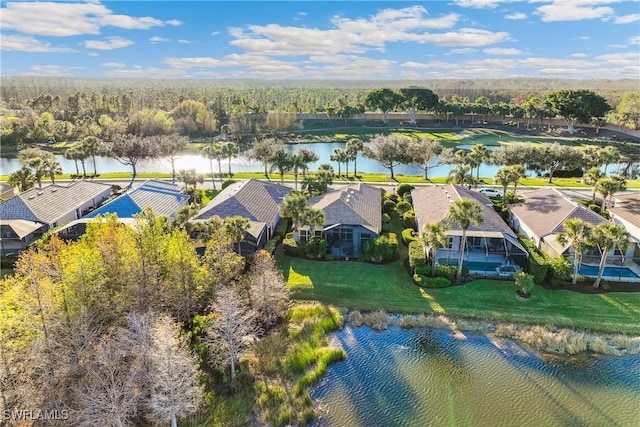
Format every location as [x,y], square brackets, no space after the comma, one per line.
[52,202]
[163,197]
[18,228]
[431,205]
[357,204]
[256,200]
[627,207]
[544,211]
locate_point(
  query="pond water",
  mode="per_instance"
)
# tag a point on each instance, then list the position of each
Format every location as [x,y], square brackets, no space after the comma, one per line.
[242,164]
[428,377]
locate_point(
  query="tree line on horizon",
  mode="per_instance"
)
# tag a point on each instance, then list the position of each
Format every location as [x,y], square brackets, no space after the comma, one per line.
[248,113]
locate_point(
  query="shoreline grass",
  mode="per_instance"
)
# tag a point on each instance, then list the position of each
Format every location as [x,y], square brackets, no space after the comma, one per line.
[389,287]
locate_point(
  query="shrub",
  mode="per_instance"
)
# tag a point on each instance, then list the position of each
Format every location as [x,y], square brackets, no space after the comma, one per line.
[281,228]
[272,244]
[316,248]
[537,265]
[228,182]
[403,207]
[512,197]
[524,283]
[387,227]
[403,189]
[448,271]
[416,255]
[392,197]
[407,236]
[381,249]
[393,240]
[409,219]
[290,245]
[388,206]
[560,271]
[431,282]
[386,217]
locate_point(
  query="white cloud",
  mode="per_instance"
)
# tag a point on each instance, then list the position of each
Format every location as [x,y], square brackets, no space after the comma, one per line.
[502,51]
[69,19]
[627,19]
[460,51]
[617,46]
[173,22]
[537,62]
[215,33]
[478,4]
[109,44]
[29,44]
[158,39]
[92,53]
[465,37]
[620,59]
[574,10]
[578,55]
[185,41]
[634,40]
[516,16]
[113,64]
[51,70]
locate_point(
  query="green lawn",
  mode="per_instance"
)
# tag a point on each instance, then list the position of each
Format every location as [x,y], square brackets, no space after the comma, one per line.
[364,286]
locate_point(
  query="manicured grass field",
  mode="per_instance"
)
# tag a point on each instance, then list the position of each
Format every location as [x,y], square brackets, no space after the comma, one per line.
[363,286]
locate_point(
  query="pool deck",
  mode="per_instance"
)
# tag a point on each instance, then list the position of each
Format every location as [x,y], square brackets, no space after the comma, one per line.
[478,257]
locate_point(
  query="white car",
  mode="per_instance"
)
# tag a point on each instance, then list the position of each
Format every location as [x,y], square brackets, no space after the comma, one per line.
[491,192]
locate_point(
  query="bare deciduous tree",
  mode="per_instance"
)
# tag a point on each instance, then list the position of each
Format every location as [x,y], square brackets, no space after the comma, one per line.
[176,391]
[267,290]
[232,331]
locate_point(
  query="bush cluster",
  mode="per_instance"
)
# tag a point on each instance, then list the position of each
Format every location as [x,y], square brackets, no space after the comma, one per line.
[409,219]
[431,282]
[407,236]
[538,266]
[416,255]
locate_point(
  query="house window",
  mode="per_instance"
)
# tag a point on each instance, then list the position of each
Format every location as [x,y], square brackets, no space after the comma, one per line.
[449,244]
[346,234]
[318,233]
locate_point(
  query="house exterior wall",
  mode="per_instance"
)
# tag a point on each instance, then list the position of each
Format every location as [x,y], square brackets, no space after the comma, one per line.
[347,240]
[521,228]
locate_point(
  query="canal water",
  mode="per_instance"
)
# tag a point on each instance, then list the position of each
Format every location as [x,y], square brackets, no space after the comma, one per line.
[427,377]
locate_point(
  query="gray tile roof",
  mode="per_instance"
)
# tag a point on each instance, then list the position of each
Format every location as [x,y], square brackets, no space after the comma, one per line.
[544,211]
[253,199]
[52,202]
[431,205]
[163,197]
[627,207]
[357,204]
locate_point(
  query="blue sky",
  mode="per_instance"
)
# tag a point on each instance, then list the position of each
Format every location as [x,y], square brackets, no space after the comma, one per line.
[357,40]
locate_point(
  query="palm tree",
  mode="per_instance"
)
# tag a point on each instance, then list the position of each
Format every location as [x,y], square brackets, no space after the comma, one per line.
[23,178]
[307,156]
[338,156]
[478,154]
[577,234]
[591,177]
[293,207]
[72,154]
[237,227]
[280,160]
[90,146]
[190,176]
[609,155]
[52,168]
[312,218]
[434,237]
[211,152]
[296,164]
[503,178]
[608,186]
[460,175]
[230,150]
[354,146]
[516,172]
[464,212]
[605,237]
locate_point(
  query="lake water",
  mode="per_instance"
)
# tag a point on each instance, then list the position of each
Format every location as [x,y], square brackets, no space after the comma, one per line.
[426,377]
[241,164]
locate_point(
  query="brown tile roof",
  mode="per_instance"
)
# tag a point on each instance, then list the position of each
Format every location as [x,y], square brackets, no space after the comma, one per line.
[431,204]
[627,207]
[357,204]
[18,228]
[544,211]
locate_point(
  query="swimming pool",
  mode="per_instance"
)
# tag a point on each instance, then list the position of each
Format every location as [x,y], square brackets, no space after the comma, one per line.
[592,270]
[472,265]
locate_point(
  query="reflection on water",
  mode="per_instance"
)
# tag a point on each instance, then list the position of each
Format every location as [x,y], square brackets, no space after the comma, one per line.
[426,377]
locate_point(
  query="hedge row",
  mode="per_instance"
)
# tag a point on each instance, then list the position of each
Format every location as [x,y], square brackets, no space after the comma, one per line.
[407,236]
[416,255]
[431,282]
[538,265]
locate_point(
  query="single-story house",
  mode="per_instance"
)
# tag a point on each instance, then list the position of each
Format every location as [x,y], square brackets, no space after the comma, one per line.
[55,205]
[626,211]
[17,234]
[488,247]
[353,216]
[542,215]
[258,201]
[7,191]
[165,198]
[75,229]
